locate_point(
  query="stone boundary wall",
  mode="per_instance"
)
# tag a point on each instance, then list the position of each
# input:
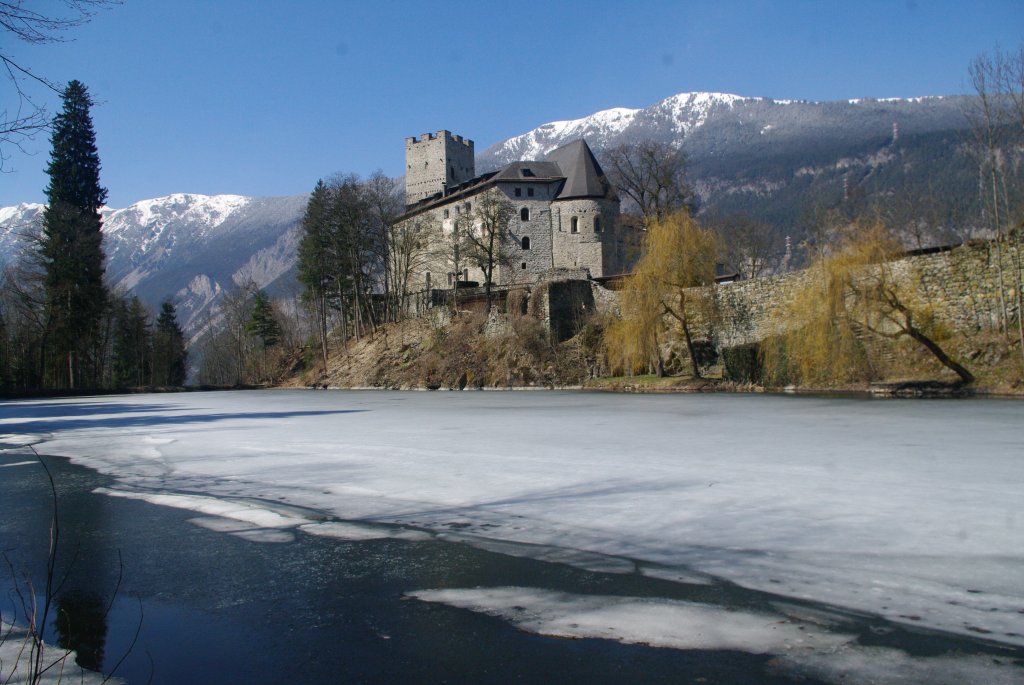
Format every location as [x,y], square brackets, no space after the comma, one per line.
[960,284]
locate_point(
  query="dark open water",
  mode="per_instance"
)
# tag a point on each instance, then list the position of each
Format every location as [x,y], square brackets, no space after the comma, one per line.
[214,608]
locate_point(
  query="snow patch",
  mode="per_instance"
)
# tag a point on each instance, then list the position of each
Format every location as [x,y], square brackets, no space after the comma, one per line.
[16,664]
[224,509]
[673,624]
[801,647]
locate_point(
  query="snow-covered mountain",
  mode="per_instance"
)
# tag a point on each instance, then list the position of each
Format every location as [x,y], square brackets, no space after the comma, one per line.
[693,119]
[190,248]
[771,159]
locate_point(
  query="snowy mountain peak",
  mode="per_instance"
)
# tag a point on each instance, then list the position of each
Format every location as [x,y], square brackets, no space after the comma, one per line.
[203,209]
[24,209]
[686,112]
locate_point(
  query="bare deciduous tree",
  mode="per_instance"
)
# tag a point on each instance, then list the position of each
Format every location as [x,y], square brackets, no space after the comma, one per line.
[651,175]
[21,114]
[750,248]
[485,232]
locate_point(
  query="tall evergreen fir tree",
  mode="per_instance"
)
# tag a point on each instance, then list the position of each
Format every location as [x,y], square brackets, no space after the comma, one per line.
[263,323]
[314,260]
[70,247]
[133,344]
[169,356]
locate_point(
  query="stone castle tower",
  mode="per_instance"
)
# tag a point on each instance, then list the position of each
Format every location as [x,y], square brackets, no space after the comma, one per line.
[435,163]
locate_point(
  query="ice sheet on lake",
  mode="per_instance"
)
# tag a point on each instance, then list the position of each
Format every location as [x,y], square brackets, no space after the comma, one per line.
[354,531]
[659,623]
[913,511]
[803,647]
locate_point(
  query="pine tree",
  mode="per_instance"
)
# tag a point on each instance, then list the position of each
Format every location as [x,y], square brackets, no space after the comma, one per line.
[263,324]
[169,356]
[70,246]
[314,263]
[133,345]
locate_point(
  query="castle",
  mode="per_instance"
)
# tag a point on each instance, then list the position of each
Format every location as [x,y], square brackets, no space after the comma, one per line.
[565,219]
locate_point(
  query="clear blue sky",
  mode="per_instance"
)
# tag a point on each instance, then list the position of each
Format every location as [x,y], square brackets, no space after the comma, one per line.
[264,97]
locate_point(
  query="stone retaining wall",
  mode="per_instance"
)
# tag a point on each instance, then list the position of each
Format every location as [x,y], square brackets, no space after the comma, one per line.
[961,285]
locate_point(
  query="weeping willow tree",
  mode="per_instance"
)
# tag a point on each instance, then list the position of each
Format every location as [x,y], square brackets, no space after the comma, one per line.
[664,297]
[851,301]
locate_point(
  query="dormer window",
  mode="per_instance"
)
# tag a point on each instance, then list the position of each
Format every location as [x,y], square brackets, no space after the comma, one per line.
[528,173]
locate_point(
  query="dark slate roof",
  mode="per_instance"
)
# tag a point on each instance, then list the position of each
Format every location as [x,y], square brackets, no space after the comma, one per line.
[573,162]
[583,175]
[526,171]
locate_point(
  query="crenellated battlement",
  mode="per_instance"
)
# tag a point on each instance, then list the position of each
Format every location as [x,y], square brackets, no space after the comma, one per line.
[435,162]
[440,135]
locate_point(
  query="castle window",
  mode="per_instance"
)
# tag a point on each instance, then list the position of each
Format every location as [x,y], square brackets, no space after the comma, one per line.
[519,192]
[526,242]
[524,214]
[524,266]
[574,225]
[468,207]
[529,192]
[428,280]
[451,278]
[465,274]
[597,224]
[446,214]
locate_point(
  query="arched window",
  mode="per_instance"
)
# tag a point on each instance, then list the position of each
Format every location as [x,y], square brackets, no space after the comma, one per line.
[526,242]
[574,225]
[524,214]
[597,224]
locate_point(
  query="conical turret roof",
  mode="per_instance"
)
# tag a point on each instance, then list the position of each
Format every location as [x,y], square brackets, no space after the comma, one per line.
[583,175]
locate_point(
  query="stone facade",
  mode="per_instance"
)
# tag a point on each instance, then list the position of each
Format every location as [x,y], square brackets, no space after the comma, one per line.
[436,161]
[565,212]
[960,285]
[586,234]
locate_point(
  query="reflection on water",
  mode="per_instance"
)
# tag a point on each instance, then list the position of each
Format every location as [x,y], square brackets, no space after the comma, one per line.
[81,623]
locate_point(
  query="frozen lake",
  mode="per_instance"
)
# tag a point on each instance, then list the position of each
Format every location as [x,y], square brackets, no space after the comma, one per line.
[828,520]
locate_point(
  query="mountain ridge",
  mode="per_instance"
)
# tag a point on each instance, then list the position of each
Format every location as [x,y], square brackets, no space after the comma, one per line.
[760,156]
